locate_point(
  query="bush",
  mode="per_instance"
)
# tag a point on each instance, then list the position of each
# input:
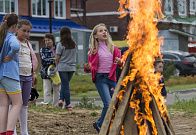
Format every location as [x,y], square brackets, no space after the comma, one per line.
[168,70]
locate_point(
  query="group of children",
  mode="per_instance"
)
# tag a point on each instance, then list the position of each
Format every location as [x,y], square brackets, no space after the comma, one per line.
[18,63]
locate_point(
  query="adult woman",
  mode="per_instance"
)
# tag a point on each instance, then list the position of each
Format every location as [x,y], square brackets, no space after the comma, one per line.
[9,74]
[103,58]
[47,53]
[66,60]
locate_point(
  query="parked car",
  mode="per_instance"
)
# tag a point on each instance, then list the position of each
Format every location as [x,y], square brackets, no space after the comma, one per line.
[185,63]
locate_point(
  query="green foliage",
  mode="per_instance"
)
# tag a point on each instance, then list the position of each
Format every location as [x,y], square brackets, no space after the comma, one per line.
[85,102]
[168,70]
[185,105]
[119,43]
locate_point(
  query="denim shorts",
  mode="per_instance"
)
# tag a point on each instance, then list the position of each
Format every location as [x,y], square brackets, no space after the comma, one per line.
[9,86]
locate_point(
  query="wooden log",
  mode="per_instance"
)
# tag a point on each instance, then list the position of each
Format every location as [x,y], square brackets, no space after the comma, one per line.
[107,120]
[121,111]
[130,127]
[168,127]
[120,114]
[157,117]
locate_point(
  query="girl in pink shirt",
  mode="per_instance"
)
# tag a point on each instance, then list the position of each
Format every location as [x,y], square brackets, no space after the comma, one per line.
[103,58]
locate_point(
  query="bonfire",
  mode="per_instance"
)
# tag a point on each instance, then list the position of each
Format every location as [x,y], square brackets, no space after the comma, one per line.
[137,106]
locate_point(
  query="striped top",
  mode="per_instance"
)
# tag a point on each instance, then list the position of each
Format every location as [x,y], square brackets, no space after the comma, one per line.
[105,58]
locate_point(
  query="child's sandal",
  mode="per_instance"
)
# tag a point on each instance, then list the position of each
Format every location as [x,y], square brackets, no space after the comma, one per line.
[69,107]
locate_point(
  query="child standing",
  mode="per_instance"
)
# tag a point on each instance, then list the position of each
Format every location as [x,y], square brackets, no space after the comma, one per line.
[27,65]
[10,90]
[103,58]
[47,55]
[158,64]
[66,63]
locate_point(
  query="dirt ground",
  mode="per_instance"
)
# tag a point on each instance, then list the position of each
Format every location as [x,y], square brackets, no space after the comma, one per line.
[79,122]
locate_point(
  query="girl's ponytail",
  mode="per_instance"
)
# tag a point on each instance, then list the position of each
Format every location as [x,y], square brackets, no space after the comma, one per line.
[3,32]
[8,21]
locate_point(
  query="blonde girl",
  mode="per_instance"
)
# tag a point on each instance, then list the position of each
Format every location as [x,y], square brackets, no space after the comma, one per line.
[103,58]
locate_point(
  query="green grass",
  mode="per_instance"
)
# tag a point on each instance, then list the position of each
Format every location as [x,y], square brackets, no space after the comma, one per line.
[120,43]
[185,106]
[82,85]
[181,80]
[46,108]
[180,87]
[180,83]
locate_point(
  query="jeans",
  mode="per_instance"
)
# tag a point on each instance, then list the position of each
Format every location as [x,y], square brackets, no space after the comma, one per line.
[65,90]
[105,88]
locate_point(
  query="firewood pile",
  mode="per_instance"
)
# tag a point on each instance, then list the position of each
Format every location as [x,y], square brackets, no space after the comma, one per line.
[120,118]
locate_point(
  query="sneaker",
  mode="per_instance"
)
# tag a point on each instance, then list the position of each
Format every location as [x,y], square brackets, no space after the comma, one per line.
[96,127]
[44,103]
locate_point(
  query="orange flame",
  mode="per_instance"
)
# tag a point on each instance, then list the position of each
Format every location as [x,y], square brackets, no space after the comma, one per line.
[144,45]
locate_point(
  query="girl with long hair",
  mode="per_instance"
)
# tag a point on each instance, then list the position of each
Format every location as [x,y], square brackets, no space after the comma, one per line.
[103,58]
[66,63]
[10,89]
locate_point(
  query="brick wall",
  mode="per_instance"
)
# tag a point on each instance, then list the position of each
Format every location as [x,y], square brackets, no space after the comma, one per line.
[23,7]
[101,5]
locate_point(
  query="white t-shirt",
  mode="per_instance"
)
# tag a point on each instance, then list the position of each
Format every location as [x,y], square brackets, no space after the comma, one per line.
[25,64]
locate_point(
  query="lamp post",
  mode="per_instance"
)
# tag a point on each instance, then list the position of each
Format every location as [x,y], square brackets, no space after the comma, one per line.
[84,11]
[50,15]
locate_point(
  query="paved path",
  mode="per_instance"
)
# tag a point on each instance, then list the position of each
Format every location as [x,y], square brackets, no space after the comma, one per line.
[181,95]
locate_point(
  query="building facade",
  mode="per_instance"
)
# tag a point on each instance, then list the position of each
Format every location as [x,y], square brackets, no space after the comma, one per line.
[179,21]
[46,16]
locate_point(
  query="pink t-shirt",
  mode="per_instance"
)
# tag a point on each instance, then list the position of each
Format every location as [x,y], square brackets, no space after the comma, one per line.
[105,59]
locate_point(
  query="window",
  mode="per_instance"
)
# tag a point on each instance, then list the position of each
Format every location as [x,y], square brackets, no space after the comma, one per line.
[8,6]
[40,8]
[76,4]
[168,7]
[192,6]
[59,8]
[182,7]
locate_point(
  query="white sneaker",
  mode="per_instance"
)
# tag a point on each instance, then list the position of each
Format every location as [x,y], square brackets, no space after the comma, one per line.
[44,103]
